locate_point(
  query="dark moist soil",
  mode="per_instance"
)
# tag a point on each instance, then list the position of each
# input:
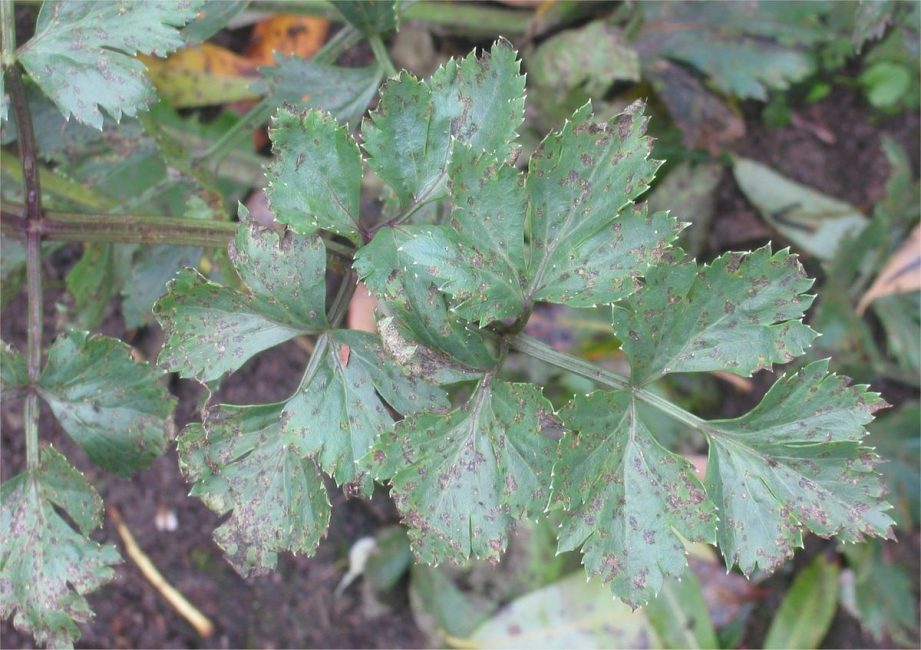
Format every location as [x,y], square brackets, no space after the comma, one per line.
[295,605]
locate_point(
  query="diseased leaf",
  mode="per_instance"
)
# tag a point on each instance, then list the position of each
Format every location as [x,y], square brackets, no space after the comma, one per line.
[409,138]
[423,334]
[479,256]
[113,406]
[211,329]
[741,313]
[315,176]
[462,479]
[816,223]
[338,412]
[369,18]
[13,371]
[241,461]
[343,92]
[82,53]
[625,497]
[589,244]
[807,608]
[796,461]
[593,57]
[46,567]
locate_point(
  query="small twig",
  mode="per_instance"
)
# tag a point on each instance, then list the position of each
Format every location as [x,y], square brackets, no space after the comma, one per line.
[189,612]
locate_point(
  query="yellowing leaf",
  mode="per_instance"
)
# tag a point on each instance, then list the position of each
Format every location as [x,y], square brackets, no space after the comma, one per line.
[201,76]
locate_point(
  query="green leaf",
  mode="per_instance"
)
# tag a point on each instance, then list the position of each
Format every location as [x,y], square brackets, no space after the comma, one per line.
[114,407]
[369,17]
[390,559]
[796,461]
[626,497]
[96,279]
[462,479]
[338,411]
[13,371]
[870,21]
[589,244]
[211,18]
[807,608]
[422,333]
[82,53]
[741,313]
[814,222]
[882,598]
[410,137]
[343,92]
[479,258]
[47,567]
[315,176]
[571,613]
[679,614]
[241,461]
[211,329]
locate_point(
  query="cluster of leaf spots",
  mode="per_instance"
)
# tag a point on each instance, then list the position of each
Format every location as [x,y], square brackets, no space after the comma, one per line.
[451,284]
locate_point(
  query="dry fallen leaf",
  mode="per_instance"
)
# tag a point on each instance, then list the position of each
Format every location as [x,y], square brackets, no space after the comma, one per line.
[901,274]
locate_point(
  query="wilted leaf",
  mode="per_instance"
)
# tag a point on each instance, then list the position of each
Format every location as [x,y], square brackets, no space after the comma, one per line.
[900,274]
[409,138]
[82,53]
[741,313]
[114,407]
[571,613]
[626,497]
[814,222]
[807,608]
[241,461]
[315,176]
[462,479]
[589,243]
[796,461]
[338,413]
[211,329]
[46,567]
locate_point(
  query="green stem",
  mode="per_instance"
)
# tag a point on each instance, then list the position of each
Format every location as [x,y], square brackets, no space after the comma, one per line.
[133,229]
[7,33]
[539,350]
[381,54]
[469,17]
[340,306]
[33,223]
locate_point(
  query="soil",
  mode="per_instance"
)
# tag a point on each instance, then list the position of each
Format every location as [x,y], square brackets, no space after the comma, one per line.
[295,606]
